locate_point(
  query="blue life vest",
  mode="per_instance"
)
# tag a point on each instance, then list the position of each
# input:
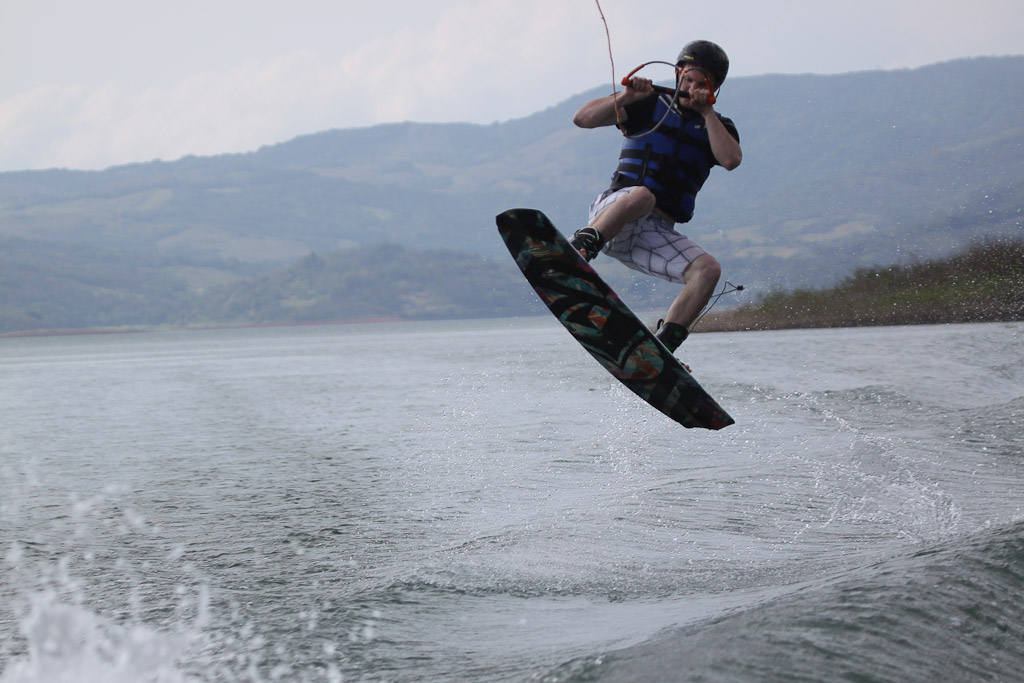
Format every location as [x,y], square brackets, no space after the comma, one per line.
[673,161]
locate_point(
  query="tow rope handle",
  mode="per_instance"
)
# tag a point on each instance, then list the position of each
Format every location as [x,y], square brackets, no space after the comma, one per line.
[670,91]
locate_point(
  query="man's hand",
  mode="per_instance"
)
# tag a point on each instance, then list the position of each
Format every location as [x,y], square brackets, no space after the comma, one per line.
[699,101]
[637,89]
[604,111]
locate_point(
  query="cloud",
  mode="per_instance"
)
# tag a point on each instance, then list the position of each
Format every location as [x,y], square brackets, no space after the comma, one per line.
[96,126]
[473,64]
[266,75]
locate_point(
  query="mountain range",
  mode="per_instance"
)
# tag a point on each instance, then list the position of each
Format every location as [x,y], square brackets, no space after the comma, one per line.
[840,172]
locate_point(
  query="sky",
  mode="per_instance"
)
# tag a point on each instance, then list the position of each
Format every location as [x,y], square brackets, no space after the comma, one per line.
[92,84]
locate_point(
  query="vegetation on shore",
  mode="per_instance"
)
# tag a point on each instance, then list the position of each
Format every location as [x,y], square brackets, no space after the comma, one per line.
[983,283]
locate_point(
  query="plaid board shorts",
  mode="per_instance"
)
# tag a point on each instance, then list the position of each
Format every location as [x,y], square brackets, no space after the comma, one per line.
[648,244]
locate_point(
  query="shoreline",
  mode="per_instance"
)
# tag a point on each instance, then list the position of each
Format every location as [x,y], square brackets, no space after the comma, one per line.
[78,332]
[712,324]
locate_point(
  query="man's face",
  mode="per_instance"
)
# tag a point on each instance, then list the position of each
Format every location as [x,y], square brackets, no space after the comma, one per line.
[692,78]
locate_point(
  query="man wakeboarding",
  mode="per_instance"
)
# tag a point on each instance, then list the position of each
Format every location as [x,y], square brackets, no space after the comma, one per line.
[671,145]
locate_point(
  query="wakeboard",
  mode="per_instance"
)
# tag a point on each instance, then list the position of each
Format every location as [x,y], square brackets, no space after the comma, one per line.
[598,319]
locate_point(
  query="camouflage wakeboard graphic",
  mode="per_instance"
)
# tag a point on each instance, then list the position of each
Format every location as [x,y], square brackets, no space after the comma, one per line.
[602,323]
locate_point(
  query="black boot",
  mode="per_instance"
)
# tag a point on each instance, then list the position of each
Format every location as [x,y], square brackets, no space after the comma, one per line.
[588,242]
[671,335]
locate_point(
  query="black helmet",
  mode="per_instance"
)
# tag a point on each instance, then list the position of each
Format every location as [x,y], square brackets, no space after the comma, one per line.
[707,56]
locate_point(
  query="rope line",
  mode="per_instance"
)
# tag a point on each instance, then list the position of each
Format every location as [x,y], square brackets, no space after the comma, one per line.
[625,81]
[611,58]
[727,288]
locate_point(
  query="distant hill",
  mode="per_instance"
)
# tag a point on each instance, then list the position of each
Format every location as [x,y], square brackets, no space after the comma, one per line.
[370,282]
[839,173]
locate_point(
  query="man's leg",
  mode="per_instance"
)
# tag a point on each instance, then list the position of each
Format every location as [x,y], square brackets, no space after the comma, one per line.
[637,203]
[628,206]
[701,278]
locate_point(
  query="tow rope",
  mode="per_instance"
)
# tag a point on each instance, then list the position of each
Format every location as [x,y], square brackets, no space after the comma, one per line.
[674,94]
[727,288]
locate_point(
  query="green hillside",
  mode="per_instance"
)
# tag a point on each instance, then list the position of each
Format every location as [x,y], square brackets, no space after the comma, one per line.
[840,172]
[383,281]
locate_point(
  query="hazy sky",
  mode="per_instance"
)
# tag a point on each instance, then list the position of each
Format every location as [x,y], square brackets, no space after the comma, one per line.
[104,82]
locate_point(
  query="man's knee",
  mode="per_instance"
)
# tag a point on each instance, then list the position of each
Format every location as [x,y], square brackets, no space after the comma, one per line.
[706,267]
[713,268]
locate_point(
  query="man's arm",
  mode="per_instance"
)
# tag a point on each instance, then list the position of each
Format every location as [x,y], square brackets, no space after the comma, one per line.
[724,146]
[601,112]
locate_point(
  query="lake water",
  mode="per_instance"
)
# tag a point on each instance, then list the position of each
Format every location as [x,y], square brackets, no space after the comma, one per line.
[480,501]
